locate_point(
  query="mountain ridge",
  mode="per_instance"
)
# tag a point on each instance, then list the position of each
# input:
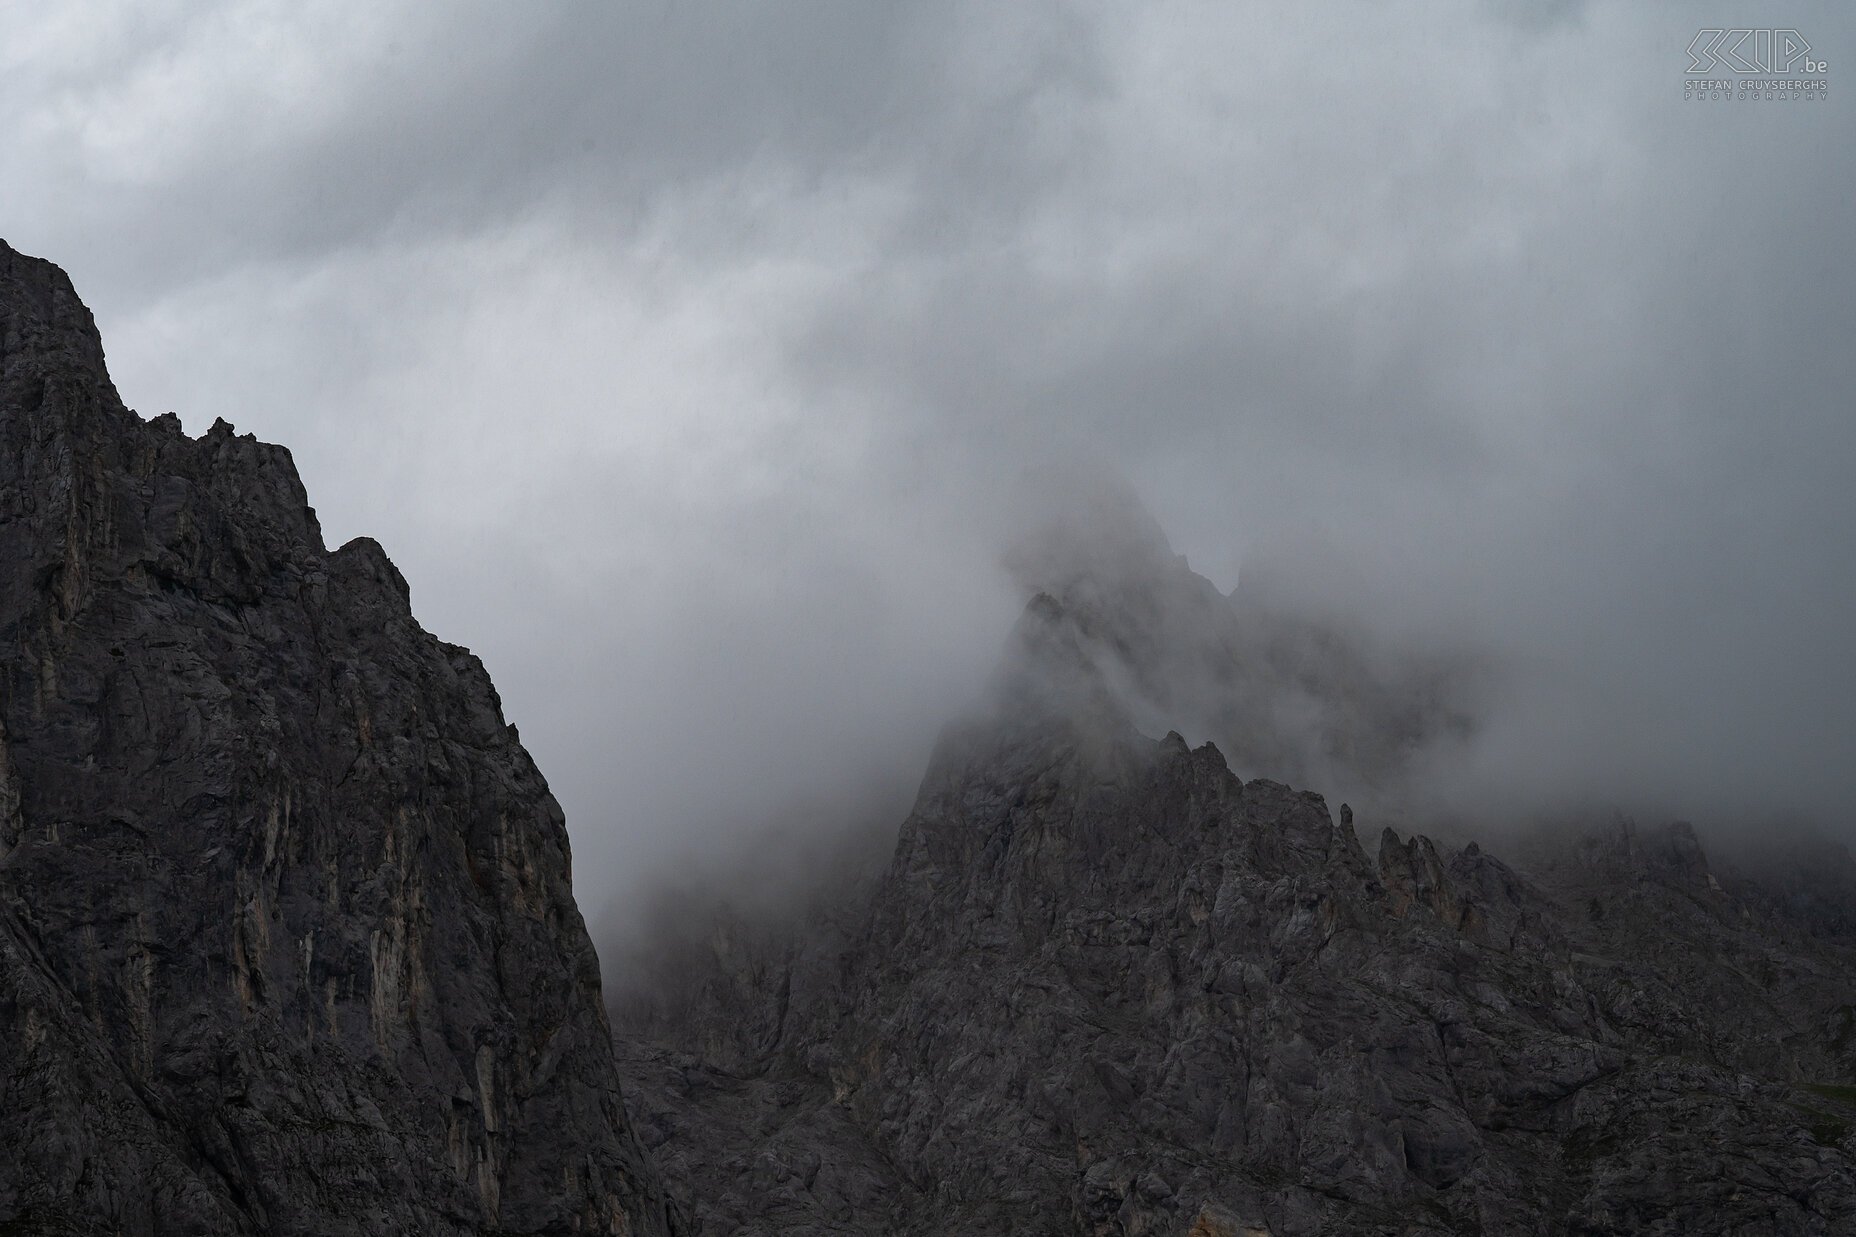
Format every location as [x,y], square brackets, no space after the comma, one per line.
[1105,986]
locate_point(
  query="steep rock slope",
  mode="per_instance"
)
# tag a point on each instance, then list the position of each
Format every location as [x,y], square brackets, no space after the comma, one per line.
[287,938]
[1107,987]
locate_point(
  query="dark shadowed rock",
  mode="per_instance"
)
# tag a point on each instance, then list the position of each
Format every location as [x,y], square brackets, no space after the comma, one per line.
[287,938]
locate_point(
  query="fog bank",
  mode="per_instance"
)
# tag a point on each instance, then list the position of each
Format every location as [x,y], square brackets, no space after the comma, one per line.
[698,367]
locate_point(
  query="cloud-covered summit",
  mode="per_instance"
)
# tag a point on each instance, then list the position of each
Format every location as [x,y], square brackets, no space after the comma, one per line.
[690,361]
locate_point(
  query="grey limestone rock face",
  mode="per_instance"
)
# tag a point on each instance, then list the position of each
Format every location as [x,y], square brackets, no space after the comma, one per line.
[287,937]
[1105,986]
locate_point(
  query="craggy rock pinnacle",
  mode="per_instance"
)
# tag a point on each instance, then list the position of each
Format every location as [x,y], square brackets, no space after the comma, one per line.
[1106,987]
[287,939]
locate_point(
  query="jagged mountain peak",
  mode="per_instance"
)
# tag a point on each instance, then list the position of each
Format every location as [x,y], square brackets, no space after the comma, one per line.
[1109,986]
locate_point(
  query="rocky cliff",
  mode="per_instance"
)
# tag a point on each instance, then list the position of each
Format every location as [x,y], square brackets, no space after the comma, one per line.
[287,938]
[1105,986]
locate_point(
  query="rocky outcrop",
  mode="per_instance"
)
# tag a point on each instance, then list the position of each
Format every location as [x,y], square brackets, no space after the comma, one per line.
[1105,986]
[287,938]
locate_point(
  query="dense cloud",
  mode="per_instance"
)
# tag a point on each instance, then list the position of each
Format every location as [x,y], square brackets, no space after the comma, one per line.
[695,362]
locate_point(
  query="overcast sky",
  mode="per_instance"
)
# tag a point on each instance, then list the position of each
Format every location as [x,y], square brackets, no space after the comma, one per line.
[686,356]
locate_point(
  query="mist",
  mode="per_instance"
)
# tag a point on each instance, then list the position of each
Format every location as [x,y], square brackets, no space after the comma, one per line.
[701,374]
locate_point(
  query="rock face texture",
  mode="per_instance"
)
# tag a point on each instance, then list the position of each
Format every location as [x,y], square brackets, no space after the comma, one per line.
[287,938]
[1105,986]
